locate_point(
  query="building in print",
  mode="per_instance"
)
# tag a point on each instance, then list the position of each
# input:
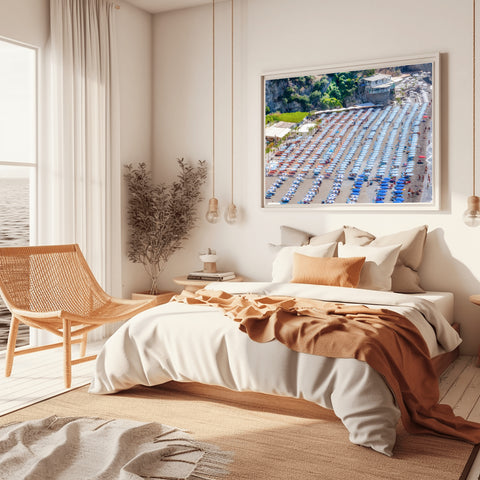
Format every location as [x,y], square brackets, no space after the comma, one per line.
[378,89]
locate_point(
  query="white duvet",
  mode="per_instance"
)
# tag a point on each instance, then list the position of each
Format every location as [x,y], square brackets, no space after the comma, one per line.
[198,343]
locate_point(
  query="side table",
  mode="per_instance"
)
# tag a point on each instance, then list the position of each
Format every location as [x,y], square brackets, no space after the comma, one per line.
[476,300]
[194,285]
[162,297]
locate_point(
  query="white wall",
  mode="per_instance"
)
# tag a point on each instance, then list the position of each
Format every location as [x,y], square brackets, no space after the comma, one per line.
[25,21]
[276,35]
[134,28]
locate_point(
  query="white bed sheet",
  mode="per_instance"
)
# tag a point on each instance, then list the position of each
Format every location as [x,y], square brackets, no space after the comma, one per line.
[198,343]
[444,301]
[436,306]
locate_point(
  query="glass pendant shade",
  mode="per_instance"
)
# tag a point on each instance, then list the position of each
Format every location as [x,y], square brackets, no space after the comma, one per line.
[471,216]
[231,214]
[212,215]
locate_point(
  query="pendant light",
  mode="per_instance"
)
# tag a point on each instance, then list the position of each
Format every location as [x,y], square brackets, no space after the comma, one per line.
[471,216]
[212,214]
[231,214]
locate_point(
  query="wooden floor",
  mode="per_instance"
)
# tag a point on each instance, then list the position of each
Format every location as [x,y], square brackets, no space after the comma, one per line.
[39,376]
[460,388]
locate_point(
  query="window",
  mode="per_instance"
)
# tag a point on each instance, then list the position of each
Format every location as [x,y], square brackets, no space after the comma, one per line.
[18,155]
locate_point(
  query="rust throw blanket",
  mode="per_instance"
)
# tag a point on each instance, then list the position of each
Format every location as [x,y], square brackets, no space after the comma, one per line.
[385,340]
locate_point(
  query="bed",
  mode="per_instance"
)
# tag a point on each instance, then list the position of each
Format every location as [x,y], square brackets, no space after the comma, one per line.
[189,342]
[214,351]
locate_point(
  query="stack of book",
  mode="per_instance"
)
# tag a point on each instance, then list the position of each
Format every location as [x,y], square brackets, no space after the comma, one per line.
[211,276]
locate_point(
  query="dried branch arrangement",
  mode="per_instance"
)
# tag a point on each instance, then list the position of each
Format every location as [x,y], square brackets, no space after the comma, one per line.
[160,217]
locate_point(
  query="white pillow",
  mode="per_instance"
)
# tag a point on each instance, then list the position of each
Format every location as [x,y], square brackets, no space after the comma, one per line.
[379,263]
[282,268]
[405,278]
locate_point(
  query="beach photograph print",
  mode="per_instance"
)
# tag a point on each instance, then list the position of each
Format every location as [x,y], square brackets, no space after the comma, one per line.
[362,137]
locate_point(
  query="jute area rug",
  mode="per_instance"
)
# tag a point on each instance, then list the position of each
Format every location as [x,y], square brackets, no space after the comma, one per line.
[271,438]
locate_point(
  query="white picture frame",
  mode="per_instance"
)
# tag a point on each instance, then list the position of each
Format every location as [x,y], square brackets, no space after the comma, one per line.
[359,136]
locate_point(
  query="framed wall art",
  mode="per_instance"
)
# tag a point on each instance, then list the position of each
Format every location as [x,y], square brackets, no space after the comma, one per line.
[354,136]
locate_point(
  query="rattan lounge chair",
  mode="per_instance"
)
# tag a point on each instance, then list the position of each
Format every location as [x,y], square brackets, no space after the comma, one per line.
[53,288]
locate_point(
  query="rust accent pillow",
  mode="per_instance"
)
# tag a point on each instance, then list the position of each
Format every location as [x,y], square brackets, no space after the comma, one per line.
[333,271]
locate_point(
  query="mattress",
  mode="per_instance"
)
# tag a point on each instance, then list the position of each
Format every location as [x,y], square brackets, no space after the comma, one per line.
[442,300]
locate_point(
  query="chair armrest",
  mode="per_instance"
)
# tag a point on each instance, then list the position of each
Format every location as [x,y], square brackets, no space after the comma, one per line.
[61,314]
[30,314]
[128,301]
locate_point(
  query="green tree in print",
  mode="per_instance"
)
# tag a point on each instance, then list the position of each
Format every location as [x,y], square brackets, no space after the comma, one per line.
[331,102]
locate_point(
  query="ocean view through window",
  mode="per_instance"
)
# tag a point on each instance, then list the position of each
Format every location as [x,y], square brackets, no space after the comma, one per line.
[18,156]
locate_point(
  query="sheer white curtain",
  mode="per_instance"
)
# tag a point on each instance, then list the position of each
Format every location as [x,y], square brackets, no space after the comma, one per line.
[79,170]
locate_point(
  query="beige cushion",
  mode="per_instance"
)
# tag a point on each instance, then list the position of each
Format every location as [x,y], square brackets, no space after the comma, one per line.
[355,236]
[290,236]
[338,272]
[377,271]
[293,236]
[283,264]
[334,236]
[405,278]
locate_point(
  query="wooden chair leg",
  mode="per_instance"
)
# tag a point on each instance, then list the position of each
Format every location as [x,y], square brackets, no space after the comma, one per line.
[12,340]
[67,353]
[83,345]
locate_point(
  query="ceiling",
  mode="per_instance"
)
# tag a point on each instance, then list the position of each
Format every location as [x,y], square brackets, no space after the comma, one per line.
[157,6]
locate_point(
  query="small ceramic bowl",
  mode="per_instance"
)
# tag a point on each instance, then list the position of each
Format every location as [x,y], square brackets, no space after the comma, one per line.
[208,258]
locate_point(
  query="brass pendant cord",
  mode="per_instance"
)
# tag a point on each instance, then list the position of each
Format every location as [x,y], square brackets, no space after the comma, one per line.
[471,217]
[232,72]
[474,115]
[213,98]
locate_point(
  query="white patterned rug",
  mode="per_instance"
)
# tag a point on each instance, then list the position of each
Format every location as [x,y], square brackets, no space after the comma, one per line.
[82,448]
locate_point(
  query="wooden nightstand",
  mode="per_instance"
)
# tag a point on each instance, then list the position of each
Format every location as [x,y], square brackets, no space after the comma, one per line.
[476,300]
[162,297]
[194,285]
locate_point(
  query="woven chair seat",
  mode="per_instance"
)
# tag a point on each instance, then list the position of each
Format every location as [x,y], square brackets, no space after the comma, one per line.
[110,312]
[53,288]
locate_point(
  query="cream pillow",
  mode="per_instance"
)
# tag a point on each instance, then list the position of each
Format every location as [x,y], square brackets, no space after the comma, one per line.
[334,236]
[293,236]
[405,278]
[336,272]
[283,264]
[290,236]
[379,264]
[355,236]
